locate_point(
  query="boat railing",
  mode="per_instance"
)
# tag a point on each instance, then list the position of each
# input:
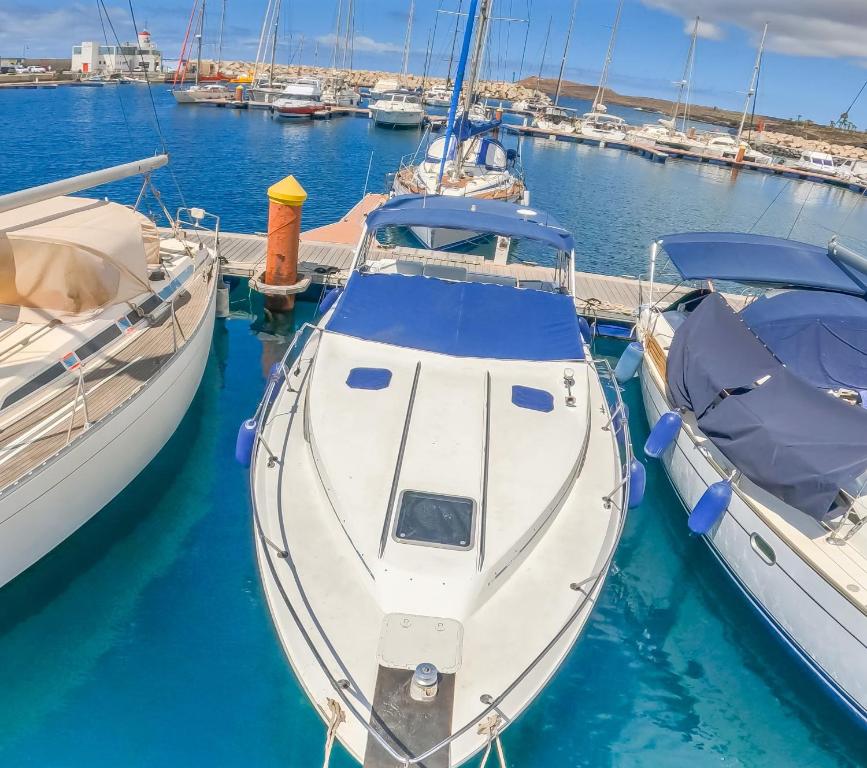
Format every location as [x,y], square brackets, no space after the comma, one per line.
[618,420]
[197,221]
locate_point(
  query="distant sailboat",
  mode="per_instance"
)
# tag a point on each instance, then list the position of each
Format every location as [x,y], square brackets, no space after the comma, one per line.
[597,123]
[200,91]
[554,117]
[467,161]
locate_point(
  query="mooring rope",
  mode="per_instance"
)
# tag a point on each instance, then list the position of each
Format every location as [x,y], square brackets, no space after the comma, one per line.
[338,716]
[491,727]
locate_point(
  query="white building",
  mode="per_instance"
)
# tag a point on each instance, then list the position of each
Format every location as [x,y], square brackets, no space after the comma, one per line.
[93,58]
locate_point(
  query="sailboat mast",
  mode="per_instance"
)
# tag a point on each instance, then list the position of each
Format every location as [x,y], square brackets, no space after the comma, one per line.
[526,38]
[346,39]
[565,52]
[456,93]
[262,46]
[408,41]
[603,79]
[478,53]
[752,91]
[544,52]
[220,44]
[199,42]
[684,81]
[274,42]
[337,33]
[454,42]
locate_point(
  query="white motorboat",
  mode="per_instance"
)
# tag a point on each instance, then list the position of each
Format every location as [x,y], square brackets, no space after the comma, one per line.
[438,96]
[817,162]
[425,572]
[477,167]
[603,126]
[301,97]
[759,419]
[555,119]
[397,110]
[105,329]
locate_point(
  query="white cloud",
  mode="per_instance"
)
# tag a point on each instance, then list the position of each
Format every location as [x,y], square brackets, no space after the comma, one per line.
[818,28]
[363,43]
[707,30]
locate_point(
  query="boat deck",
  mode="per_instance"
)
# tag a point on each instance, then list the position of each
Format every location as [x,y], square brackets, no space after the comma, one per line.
[326,255]
[35,432]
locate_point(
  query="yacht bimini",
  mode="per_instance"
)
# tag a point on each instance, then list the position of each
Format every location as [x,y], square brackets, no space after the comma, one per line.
[105,329]
[439,481]
[759,417]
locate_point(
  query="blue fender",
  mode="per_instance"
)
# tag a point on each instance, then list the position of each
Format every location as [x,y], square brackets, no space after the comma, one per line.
[637,483]
[663,434]
[710,507]
[329,298]
[244,442]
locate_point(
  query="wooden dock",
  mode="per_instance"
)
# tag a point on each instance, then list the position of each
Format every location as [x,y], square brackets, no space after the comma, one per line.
[326,255]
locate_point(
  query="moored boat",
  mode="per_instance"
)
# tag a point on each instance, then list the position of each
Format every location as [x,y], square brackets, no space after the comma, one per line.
[758,417]
[426,574]
[397,110]
[105,328]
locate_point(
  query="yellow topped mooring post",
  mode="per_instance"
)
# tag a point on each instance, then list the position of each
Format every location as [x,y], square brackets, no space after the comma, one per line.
[286,199]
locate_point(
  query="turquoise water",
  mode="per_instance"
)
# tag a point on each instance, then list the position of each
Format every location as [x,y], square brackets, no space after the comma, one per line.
[144,640]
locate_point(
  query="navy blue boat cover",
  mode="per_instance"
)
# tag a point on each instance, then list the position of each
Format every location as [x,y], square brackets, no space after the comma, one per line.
[760,260]
[459,319]
[796,442]
[818,335]
[467,213]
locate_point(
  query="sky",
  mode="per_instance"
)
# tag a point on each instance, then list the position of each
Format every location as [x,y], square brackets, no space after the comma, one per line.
[815,59]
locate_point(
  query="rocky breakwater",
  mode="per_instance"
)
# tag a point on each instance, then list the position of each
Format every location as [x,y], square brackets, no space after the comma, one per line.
[789,145]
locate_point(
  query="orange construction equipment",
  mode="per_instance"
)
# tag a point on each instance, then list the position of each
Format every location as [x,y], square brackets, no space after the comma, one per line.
[286,198]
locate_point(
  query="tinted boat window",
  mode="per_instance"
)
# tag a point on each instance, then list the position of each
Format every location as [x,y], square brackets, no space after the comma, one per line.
[429,518]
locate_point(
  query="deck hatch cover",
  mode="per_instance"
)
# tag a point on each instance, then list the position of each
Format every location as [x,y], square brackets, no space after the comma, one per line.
[435,520]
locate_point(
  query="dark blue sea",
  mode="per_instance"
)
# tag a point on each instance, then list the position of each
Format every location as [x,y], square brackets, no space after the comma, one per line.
[145,639]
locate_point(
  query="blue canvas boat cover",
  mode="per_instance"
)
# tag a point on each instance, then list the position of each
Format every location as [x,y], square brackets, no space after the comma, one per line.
[793,440]
[457,318]
[760,260]
[820,336]
[475,215]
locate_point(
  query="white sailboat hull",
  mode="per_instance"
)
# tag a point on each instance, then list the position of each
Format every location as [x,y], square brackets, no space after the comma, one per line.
[183,96]
[824,629]
[47,506]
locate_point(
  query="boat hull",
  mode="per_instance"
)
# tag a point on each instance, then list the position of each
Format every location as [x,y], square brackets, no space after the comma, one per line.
[332,638]
[200,97]
[821,627]
[44,508]
[388,118]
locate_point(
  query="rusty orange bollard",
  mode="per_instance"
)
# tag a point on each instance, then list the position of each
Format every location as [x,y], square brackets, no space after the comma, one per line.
[286,199]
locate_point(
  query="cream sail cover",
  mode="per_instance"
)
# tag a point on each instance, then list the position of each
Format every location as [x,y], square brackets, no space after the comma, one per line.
[68,258]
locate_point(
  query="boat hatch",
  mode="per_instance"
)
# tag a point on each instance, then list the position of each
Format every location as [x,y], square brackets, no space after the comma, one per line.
[431,519]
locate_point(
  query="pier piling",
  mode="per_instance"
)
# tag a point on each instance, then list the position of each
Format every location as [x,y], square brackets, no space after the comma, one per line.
[286,199]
